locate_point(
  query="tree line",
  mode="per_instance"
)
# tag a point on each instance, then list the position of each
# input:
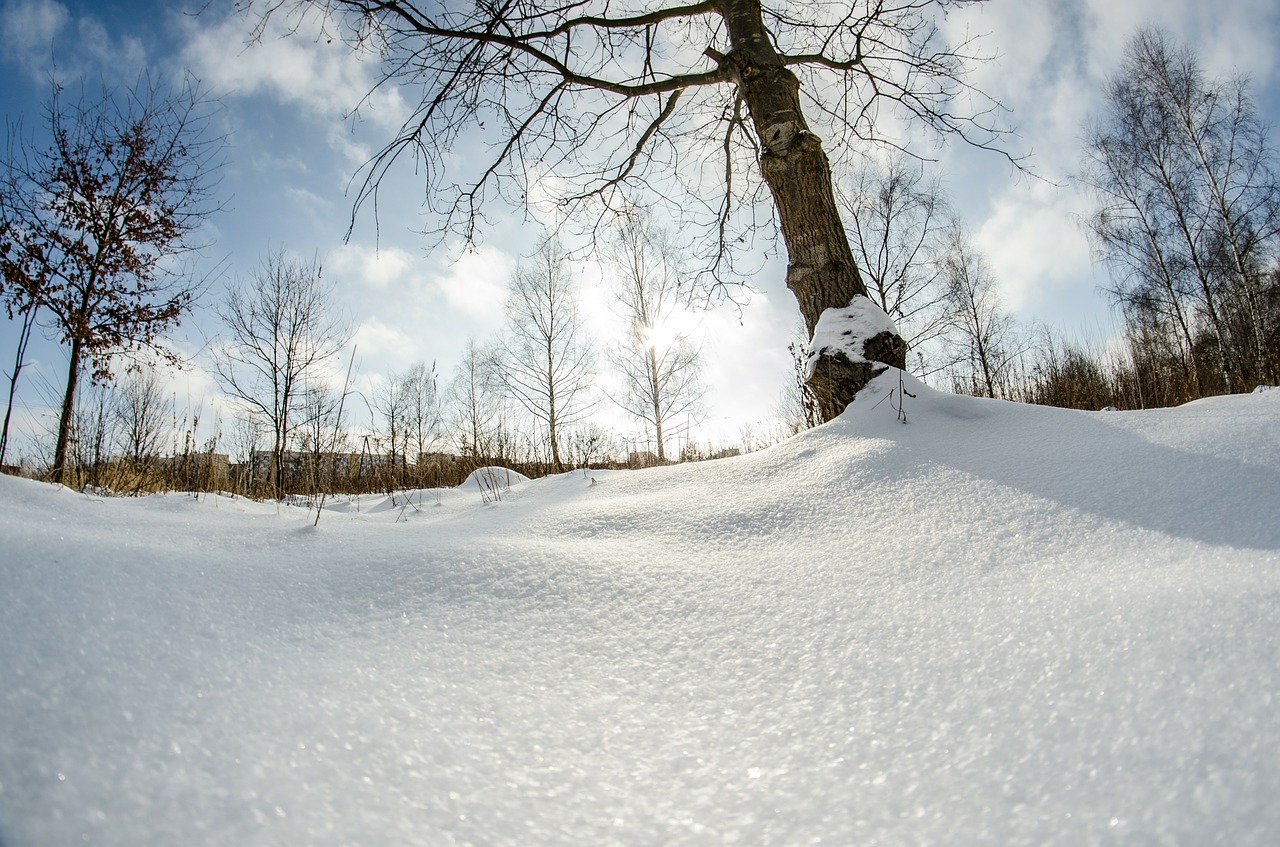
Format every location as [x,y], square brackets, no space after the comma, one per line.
[524,399]
[1186,219]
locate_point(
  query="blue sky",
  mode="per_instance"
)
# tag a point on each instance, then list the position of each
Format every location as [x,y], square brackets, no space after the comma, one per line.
[294,147]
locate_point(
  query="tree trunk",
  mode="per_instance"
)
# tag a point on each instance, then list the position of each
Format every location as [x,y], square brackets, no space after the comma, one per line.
[64,422]
[655,393]
[553,441]
[24,336]
[552,413]
[821,271]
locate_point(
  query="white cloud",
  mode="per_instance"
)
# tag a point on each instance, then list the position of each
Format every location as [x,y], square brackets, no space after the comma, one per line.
[1032,242]
[1239,35]
[376,269]
[1017,64]
[301,67]
[381,343]
[1245,40]
[28,29]
[476,284]
[124,58]
[746,362]
[43,37]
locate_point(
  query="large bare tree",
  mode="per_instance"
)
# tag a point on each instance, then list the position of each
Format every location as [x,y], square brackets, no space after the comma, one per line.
[700,103]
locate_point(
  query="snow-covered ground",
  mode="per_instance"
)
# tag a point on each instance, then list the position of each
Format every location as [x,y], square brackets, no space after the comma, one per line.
[996,624]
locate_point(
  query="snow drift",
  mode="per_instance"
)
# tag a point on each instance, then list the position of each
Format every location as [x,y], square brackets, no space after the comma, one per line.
[994,624]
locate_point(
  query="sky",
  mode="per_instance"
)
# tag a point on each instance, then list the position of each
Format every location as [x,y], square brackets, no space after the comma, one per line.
[293,146]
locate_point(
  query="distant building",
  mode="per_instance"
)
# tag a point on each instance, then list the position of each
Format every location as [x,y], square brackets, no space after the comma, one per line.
[219,464]
[199,470]
[437,458]
[642,459]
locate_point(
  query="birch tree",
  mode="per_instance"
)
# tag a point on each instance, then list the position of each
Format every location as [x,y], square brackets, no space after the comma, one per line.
[475,404]
[982,332]
[547,362]
[1188,213]
[281,331]
[391,403]
[423,412]
[659,363]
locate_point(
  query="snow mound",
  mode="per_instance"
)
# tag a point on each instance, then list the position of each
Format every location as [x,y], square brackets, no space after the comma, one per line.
[493,475]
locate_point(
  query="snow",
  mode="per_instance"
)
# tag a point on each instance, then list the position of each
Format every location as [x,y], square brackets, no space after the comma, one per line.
[995,624]
[847,330]
[493,476]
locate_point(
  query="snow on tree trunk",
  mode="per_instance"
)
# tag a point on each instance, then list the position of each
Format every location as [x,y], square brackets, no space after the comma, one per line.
[849,347]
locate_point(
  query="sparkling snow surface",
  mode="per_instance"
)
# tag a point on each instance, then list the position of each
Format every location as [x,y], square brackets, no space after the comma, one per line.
[997,624]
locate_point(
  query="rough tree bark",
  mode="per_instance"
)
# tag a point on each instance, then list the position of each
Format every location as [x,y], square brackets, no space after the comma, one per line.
[821,271]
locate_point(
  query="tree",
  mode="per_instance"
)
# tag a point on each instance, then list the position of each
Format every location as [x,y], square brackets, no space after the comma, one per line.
[1188,210]
[391,404]
[408,405]
[423,413]
[142,413]
[91,434]
[622,103]
[476,406]
[659,364]
[93,221]
[318,433]
[900,224]
[982,331]
[280,333]
[547,362]
[589,442]
[28,315]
